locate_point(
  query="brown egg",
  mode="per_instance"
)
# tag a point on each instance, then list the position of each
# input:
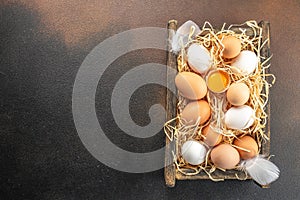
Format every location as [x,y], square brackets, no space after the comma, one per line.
[248,143]
[232,46]
[225,156]
[212,138]
[191,85]
[194,110]
[238,94]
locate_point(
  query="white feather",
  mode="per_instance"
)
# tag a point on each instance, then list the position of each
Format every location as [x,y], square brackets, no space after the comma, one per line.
[261,170]
[176,46]
[180,38]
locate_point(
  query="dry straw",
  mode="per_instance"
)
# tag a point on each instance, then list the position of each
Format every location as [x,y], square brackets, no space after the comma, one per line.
[257,83]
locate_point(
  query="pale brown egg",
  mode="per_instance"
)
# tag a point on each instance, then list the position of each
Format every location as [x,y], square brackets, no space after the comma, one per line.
[212,138]
[194,110]
[191,85]
[225,156]
[232,46]
[238,94]
[247,143]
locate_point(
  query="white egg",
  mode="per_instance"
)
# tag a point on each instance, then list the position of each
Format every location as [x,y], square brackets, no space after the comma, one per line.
[241,117]
[193,152]
[246,62]
[199,58]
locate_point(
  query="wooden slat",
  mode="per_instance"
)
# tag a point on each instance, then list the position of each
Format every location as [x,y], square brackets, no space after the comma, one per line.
[171,103]
[265,52]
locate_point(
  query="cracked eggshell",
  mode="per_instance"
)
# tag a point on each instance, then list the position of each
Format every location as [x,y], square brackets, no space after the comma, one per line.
[193,152]
[199,58]
[240,117]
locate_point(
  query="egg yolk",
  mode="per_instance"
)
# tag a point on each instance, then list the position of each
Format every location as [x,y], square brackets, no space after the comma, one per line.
[218,81]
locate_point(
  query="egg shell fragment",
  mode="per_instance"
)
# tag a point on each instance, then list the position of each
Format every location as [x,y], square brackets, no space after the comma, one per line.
[225,156]
[248,143]
[218,81]
[240,117]
[194,110]
[191,85]
[199,58]
[193,152]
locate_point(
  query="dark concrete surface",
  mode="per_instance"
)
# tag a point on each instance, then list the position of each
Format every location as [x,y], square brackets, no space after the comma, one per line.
[42,45]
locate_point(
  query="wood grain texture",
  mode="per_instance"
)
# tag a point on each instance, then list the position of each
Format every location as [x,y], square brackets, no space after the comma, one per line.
[171,109]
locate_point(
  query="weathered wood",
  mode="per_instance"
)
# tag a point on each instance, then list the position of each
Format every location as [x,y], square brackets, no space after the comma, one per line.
[171,104]
[170,171]
[265,52]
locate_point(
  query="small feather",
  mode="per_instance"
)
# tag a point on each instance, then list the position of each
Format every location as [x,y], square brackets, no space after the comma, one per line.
[176,43]
[180,38]
[261,170]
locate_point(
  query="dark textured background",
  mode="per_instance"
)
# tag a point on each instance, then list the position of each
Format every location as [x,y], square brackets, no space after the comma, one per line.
[42,45]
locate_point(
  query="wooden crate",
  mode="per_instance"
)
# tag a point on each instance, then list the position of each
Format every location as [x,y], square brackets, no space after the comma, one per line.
[171,173]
